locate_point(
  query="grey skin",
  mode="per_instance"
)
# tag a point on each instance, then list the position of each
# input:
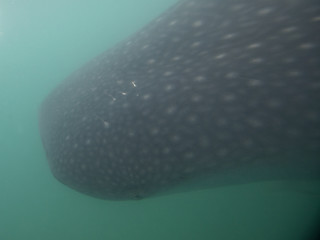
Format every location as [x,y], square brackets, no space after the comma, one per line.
[211,93]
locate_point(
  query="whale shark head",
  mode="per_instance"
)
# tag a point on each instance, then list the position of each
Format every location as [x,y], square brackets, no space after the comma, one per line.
[209,93]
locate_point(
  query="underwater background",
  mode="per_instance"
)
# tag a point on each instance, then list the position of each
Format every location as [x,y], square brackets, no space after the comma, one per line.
[42,42]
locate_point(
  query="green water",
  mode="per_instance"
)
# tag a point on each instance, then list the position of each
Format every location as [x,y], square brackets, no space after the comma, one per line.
[41,42]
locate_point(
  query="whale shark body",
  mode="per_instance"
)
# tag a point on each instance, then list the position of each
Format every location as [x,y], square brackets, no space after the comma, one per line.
[212,92]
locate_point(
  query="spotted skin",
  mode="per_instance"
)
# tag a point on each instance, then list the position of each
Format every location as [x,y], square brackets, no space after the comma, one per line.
[209,88]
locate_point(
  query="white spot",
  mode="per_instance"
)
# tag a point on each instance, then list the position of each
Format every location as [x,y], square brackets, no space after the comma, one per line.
[231,75]
[197,23]
[237,7]
[222,122]
[203,53]
[306,46]
[172,23]
[225,23]
[312,116]
[175,138]
[176,58]
[199,78]
[167,73]
[254,45]
[133,84]
[196,44]
[289,29]
[167,168]
[256,60]
[264,11]
[163,36]
[189,155]
[192,118]
[293,132]
[189,170]
[196,98]
[169,87]
[113,98]
[222,152]
[294,73]
[254,82]
[220,56]
[229,97]
[106,124]
[171,109]
[247,143]
[176,39]
[187,70]
[274,103]
[223,136]
[83,167]
[200,33]
[118,82]
[315,85]
[229,36]
[151,61]
[145,46]
[289,60]
[254,122]
[146,96]
[166,150]
[124,93]
[154,131]
[204,141]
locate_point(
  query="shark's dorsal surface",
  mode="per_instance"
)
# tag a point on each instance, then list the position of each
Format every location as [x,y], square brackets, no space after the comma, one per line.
[227,88]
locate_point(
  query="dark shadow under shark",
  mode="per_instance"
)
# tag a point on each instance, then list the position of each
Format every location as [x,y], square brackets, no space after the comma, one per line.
[212,92]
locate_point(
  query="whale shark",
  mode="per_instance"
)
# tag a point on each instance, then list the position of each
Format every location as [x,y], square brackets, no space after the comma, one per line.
[209,93]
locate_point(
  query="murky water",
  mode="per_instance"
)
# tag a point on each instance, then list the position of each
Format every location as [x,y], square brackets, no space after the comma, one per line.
[41,42]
